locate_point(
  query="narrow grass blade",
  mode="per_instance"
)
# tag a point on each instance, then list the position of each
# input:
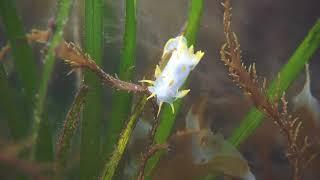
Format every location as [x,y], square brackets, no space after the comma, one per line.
[167,119]
[287,75]
[93,110]
[10,108]
[68,131]
[43,149]
[22,53]
[112,164]
[194,20]
[26,69]
[62,15]
[122,101]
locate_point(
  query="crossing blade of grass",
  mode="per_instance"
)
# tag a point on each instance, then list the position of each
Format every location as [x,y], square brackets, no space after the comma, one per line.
[93,110]
[21,51]
[9,108]
[112,164]
[287,75]
[167,119]
[64,7]
[122,101]
[68,131]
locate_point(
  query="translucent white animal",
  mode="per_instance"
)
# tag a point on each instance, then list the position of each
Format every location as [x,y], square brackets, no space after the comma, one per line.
[168,81]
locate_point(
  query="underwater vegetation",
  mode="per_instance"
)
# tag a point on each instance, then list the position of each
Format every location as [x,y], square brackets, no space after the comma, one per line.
[124,124]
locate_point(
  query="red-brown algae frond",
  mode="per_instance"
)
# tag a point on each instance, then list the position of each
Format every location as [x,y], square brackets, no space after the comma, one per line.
[76,58]
[145,157]
[247,79]
[4,51]
[40,36]
[72,55]
[36,35]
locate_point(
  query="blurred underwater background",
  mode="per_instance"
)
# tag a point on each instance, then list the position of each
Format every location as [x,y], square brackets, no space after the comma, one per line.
[269,32]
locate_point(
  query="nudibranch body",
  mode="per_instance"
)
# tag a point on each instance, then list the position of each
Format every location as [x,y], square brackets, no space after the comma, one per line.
[168,82]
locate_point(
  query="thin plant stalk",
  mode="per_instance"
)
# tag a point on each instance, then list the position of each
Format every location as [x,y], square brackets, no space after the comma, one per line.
[9,107]
[112,164]
[93,109]
[122,101]
[64,7]
[68,131]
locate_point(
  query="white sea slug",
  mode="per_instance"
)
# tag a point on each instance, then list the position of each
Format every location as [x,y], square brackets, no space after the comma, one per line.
[166,87]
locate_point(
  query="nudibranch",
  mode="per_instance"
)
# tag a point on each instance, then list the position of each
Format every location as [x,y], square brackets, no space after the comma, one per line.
[166,87]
